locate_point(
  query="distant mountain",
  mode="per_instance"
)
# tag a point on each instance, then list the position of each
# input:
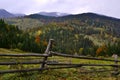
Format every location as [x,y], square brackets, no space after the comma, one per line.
[82,17]
[5,14]
[70,16]
[19,15]
[53,14]
[90,16]
[85,19]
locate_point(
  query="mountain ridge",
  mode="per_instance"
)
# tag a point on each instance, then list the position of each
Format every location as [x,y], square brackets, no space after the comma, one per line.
[6,14]
[77,16]
[93,15]
[84,19]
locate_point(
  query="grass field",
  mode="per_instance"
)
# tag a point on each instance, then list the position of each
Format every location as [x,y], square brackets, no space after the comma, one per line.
[57,74]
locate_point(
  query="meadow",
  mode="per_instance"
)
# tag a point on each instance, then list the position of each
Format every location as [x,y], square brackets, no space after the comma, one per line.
[80,73]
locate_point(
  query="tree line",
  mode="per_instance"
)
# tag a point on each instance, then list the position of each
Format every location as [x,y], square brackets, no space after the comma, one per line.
[12,37]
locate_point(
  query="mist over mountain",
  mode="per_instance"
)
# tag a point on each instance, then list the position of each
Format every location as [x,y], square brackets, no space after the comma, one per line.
[5,14]
[53,14]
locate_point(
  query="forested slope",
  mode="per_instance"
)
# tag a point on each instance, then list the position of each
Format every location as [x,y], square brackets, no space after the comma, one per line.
[82,34]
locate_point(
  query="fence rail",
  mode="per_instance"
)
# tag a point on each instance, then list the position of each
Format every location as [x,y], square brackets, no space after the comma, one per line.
[25,55]
[54,64]
[81,57]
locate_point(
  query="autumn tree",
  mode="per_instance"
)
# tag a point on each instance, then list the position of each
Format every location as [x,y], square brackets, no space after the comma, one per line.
[101,50]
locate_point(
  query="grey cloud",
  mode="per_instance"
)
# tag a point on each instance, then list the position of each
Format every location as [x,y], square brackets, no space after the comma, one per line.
[106,7]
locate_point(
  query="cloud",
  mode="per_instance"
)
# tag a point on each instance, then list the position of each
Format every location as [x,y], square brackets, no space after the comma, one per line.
[107,7]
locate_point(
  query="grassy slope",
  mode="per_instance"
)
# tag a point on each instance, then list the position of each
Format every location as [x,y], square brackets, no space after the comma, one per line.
[3,50]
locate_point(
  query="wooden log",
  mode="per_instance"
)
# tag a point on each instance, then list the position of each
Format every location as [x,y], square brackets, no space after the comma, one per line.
[25,55]
[81,57]
[67,64]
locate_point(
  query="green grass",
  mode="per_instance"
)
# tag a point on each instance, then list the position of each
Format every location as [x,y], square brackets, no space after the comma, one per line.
[58,74]
[3,50]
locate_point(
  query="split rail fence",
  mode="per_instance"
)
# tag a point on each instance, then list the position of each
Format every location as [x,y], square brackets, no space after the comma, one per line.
[48,53]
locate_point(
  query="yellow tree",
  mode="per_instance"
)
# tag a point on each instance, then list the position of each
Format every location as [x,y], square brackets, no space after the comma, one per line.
[37,37]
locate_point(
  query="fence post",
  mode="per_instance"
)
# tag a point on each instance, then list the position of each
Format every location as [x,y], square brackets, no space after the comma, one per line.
[116,63]
[47,51]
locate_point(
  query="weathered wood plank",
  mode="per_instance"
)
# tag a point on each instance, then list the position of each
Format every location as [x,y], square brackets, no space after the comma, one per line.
[24,55]
[81,57]
[47,51]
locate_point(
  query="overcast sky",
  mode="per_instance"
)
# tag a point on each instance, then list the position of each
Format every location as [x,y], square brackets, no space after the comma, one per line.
[105,7]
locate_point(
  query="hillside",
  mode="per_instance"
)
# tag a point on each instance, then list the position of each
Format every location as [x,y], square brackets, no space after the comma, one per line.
[97,28]
[109,24]
[83,34]
[24,23]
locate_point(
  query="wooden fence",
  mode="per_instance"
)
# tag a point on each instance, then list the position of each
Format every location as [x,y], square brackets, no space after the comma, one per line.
[44,62]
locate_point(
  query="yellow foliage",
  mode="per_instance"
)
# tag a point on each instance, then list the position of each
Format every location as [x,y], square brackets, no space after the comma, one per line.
[39,32]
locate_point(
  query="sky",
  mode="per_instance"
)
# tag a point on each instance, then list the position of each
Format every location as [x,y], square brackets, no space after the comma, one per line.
[104,7]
